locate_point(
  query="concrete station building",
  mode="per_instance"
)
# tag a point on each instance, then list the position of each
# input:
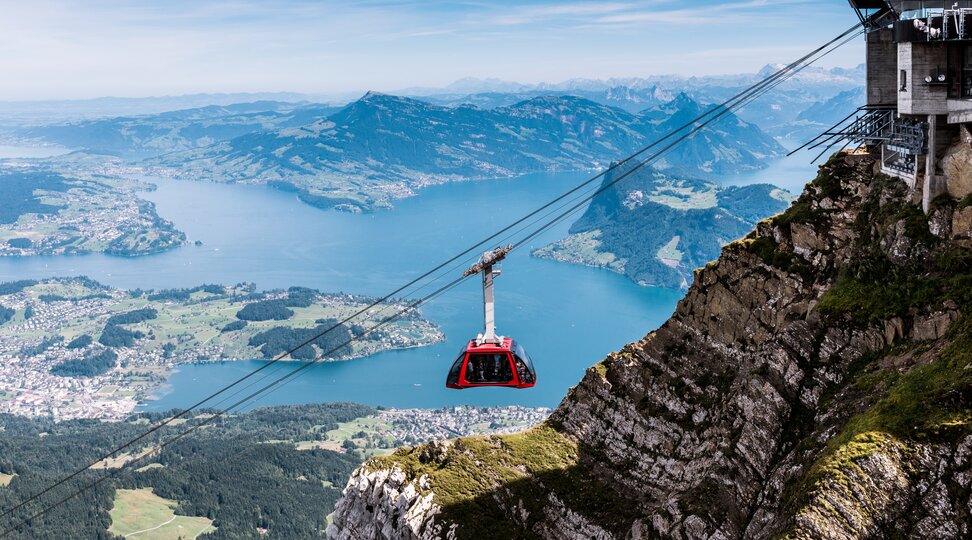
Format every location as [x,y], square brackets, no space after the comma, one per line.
[919,93]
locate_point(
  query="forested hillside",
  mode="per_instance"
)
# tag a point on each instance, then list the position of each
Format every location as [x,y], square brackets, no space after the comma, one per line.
[242,472]
[657,229]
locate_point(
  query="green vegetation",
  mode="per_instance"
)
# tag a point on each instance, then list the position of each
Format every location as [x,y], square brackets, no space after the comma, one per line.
[18,193]
[875,289]
[928,403]
[466,477]
[116,336]
[181,295]
[80,342]
[233,327]
[826,185]
[228,474]
[20,243]
[669,253]
[41,347]
[689,222]
[45,213]
[208,319]
[150,337]
[14,287]
[139,513]
[266,310]
[282,339]
[366,437]
[6,314]
[931,402]
[340,163]
[965,203]
[768,250]
[879,291]
[89,366]
[133,317]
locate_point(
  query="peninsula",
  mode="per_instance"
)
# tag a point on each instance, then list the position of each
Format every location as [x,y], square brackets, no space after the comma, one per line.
[74,348]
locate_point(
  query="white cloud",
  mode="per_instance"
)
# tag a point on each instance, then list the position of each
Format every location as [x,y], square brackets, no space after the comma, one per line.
[60,48]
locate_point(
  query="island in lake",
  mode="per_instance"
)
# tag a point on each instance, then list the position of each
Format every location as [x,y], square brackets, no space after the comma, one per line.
[74,348]
[46,213]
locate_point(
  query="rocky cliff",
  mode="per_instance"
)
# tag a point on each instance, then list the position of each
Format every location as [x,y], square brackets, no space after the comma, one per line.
[816,381]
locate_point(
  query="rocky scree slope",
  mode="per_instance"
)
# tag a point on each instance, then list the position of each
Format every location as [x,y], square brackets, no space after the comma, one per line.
[816,381]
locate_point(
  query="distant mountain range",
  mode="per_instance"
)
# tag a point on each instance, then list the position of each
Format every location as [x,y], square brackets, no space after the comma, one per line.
[629,93]
[154,134]
[383,147]
[380,148]
[772,112]
[819,79]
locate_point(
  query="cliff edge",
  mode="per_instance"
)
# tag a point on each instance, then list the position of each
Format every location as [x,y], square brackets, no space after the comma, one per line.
[816,381]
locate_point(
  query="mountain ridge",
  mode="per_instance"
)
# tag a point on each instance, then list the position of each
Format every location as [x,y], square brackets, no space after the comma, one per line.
[383,147]
[815,382]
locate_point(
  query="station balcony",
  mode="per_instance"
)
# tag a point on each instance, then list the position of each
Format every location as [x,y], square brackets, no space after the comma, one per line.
[901,140]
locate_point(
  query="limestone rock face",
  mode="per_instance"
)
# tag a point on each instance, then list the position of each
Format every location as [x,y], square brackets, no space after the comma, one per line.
[788,396]
[958,169]
[392,508]
[962,223]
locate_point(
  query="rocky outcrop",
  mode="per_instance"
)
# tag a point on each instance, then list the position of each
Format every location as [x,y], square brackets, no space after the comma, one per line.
[398,508]
[957,164]
[816,381]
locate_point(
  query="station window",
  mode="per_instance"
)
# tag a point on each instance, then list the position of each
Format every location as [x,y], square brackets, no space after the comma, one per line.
[904,80]
[967,72]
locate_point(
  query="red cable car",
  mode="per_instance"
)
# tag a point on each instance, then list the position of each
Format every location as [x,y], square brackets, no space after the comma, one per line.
[491,360]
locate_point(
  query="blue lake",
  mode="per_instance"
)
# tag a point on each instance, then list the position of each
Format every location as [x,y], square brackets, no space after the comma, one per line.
[569,317]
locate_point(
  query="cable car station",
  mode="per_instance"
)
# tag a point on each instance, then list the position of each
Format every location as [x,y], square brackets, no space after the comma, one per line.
[919,94]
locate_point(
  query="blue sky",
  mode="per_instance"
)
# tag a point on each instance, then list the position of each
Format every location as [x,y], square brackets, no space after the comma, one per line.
[68,49]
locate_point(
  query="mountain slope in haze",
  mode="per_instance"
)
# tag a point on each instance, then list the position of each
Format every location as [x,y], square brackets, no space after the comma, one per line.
[815,382]
[834,109]
[772,112]
[383,147]
[657,229]
[184,129]
[820,116]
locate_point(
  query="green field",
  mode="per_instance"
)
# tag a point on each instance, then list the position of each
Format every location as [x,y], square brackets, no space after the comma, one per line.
[582,248]
[139,513]
[376,442]
[670,252]
[5,479]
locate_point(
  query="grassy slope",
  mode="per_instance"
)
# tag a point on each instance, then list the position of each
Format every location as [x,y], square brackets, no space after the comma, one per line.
[141,510]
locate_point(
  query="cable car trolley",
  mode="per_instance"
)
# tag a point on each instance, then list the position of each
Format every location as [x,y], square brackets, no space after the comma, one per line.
[491,360]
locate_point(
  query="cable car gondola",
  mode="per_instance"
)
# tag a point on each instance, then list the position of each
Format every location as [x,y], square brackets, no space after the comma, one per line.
[491,360]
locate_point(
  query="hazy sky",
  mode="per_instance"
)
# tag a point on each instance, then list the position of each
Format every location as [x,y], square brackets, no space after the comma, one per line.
[71,49]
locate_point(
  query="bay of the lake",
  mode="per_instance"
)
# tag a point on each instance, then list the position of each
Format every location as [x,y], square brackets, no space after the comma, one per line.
[569,317]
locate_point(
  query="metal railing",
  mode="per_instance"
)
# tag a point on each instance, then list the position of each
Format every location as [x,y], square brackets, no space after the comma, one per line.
[874,126]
